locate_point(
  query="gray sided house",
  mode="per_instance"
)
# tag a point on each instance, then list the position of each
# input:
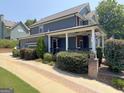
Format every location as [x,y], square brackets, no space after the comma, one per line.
[73,29]
[5,27]
[19,30]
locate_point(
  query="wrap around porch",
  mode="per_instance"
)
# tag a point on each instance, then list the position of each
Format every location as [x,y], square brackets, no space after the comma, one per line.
[76,39]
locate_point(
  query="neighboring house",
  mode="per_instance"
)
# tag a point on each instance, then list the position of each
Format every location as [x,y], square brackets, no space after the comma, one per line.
[73,29]
[19,30]
[5,27]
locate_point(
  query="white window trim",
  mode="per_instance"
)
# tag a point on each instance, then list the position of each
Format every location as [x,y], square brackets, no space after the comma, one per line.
[77,42]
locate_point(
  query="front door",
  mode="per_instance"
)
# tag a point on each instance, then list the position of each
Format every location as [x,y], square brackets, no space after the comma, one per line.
[55,45]
[85,42]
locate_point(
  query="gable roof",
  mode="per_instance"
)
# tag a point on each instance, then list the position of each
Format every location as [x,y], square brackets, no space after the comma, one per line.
[9,23]
[20,23]
[62,14]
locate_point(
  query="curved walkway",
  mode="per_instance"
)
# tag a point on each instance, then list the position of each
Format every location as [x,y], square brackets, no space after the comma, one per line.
[51,80]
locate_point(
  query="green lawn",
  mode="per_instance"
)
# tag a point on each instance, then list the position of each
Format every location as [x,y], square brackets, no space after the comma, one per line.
[8,80]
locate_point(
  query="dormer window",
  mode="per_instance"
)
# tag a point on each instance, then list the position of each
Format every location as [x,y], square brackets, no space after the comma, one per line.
[41,29]
[85,22]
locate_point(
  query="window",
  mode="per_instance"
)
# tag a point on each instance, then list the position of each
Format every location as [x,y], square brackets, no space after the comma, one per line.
[20,30]
[41,29]
[85,22]
[79,42]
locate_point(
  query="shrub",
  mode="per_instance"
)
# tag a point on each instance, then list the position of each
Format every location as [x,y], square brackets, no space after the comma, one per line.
[40,49]
[22,53]
[48,57]
[52,63]
[15,53]
[72,61]
[5,43]
[118,83]
[114,54]
[30,54]
[99,55]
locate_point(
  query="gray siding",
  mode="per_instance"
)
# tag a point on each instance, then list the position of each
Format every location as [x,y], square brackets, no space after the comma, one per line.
[72,43]
[62,44]
[84,11]
[46,42]
[62,24]
[15,33]
[34,30]
[25,42]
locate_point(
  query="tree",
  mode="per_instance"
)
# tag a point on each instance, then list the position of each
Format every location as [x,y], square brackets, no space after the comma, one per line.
[29,22]
[111,17]
[41,48]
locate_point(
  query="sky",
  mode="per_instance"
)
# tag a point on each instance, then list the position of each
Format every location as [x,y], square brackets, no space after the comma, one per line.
[21,10]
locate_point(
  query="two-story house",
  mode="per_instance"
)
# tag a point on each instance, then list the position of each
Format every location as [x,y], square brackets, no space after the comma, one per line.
[73,29]
[12,30]
[5,27]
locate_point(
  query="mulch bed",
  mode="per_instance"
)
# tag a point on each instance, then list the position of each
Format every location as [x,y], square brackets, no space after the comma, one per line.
[5,50]
[105,75]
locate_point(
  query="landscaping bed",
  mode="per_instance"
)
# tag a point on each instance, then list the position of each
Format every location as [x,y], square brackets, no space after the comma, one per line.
[108,77]
[5,50]
[8,80]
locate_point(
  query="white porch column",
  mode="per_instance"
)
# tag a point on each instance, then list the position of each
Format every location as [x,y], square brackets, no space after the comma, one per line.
[98,42]
[49,43]
[66,41]
[93,41]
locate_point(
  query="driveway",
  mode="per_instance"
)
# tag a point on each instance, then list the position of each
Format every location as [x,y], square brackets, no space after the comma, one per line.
[48,79]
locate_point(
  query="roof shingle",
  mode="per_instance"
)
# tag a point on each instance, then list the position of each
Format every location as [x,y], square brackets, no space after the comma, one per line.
[9,23]
[63,13]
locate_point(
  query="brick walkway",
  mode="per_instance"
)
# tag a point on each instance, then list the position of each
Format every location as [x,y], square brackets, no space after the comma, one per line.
[67,82]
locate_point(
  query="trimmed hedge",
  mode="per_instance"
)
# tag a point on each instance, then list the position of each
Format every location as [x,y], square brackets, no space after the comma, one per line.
[5,43]
[114,54]
[22,53]
[28,54]
[48,57]
[72,61]
[15,53]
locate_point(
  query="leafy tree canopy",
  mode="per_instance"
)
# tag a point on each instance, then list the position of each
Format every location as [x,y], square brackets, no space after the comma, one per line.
[111,17]
[29,22]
